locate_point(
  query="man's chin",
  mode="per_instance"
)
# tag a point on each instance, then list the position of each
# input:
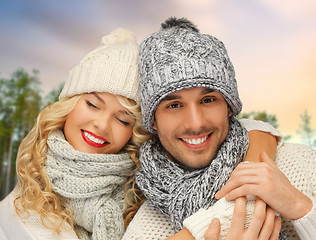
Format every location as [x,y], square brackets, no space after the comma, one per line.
[201,159]
[193,166]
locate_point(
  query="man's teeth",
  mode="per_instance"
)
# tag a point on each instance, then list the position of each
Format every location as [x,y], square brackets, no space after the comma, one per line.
[195,141]
[93,139]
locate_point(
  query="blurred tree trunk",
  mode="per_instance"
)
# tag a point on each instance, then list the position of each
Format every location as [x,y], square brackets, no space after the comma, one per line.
[9,164]
[21,103]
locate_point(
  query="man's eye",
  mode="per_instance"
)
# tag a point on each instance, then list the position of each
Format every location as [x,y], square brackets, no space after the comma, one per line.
[208,100]
[174,105]
[90,104]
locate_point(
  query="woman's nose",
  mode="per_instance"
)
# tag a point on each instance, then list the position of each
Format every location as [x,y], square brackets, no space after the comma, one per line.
[103,122]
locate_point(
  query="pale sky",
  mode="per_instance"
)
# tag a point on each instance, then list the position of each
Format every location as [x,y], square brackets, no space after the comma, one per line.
[272,44]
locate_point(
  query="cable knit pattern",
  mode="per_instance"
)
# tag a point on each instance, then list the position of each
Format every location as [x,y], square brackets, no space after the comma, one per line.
[179,57]
[92,186]
[179,192]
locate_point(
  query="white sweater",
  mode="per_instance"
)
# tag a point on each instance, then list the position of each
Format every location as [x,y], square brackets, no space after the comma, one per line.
[297,162]
[12,227]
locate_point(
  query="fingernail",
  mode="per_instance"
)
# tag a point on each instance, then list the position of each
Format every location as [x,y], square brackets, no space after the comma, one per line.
[216,195]
[278,219]
[215,222]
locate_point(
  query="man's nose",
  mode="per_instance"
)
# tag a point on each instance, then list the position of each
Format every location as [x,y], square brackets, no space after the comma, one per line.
[194,118]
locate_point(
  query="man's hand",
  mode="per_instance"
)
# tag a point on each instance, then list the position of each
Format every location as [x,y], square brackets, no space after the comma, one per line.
[266,181]
[263,226]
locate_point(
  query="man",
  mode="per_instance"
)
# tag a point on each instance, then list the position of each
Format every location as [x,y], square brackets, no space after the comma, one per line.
[189,99]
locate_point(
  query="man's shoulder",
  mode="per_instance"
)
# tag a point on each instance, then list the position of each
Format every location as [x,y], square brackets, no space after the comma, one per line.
[149,223]
[148,211]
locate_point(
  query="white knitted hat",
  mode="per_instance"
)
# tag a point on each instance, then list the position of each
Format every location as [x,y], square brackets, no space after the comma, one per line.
[112,67]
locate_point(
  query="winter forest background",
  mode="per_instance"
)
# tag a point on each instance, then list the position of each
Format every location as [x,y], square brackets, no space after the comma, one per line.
[272,45]
[22,100]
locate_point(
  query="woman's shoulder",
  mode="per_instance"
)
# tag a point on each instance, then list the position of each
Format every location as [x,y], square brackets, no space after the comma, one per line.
[12,226]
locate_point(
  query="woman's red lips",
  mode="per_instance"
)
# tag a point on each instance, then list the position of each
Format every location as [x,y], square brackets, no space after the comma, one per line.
[93,140]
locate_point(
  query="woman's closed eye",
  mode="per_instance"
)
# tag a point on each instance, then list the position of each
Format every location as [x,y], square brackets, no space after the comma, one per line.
[125,118]
[126,123]
[90,104]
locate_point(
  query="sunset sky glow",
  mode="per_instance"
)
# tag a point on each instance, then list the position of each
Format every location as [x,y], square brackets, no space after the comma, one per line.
[272,44]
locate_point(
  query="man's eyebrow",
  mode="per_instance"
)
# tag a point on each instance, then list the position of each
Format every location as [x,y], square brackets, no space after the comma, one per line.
[174,96]
[171,96]
[98,97]
[207,90]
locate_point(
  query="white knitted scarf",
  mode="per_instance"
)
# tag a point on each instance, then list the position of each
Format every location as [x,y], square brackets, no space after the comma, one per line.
[92,186]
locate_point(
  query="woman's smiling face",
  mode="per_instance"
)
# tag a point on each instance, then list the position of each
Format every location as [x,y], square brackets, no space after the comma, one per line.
[99,124]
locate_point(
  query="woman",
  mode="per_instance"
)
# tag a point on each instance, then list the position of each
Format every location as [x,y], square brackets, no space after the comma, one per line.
[74,163]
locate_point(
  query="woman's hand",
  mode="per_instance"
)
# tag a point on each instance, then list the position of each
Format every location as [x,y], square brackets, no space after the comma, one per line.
[263,226]
[266,181]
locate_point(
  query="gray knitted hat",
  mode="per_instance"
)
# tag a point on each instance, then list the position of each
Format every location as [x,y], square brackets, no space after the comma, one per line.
[178,57]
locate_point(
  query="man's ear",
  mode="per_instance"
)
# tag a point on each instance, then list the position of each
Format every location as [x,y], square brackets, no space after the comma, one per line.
[155,125]
[230,112]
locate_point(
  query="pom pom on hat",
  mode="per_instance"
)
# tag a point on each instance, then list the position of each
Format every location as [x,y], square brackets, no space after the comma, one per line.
[112,67]
[179,23]
[118,36]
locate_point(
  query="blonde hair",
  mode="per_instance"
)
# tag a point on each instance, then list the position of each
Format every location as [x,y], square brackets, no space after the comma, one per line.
[133,195]
[35,190]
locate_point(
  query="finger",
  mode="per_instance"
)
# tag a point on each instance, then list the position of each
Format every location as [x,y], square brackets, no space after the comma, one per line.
[244,190]
[257,220]
[268,224]
[276,229]
[239,177]
[239,216]
[213,231]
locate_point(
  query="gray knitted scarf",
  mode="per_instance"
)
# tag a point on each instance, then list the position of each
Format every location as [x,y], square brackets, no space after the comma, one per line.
[91,184]
[178,192]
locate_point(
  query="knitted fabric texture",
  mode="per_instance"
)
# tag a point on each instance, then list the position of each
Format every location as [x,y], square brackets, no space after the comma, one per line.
[178,57]
[223,211]
[112,67]
[178,192]
[150,223]
[91,184]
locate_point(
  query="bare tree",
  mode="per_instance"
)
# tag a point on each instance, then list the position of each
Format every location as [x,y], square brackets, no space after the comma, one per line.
[305,129]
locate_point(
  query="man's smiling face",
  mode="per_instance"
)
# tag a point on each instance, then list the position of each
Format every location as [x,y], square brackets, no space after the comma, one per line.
[192,125]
